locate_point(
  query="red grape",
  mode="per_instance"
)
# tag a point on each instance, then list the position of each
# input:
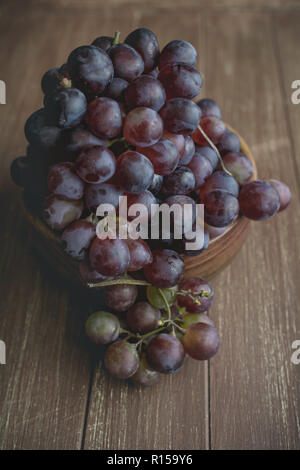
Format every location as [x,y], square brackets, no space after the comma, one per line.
[104,118]
[102,327]
[283,192]
[103,193]
[181,116]
[78,139]
[63,181]
[110,257]
[120,297]
[219,180]
[116,88]
[201,168]
[77,238]
[146,198]
[121,359]
[259,200]
[60,212]
[213,127]
[134,172]
[140,254]
[145,91]
[239,166]
[208,153]
[96,164]
[180,81]
[145,43]
[142,127]
[198,295]
[177,139]
[165,354]
[166,269]
[142,317]
[221,208]
[127,62]
[181,181]
[163,155]
[201,341]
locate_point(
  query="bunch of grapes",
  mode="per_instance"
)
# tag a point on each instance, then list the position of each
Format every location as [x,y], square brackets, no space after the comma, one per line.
[119,119]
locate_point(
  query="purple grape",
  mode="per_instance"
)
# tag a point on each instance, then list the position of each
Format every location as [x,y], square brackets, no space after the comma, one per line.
[165,354]
[109,257]
[259,200]
[178,51]
[189,151]
[103,42]
[95,165]
[60,212]
[63,181]
[103,118]
[181,116]
[208,153]
[88,274]
[201,341]
[90,68]
[145,375]
[239,166]
[78,139]
[146,198]
[77,238]
[145,91]
[177,139]
[180,81]
[140,254]
[283,192]
[127,62]
[201,168]
[219,180]
[156,184]
[230,142]
[66,107]
[142,317]
[142,127]
[120,297]
[221,208]
[198,295]
[163,156]
[166,269]
[51,81]
[134,172]
[40,132]
[145,43]
[121,359]
[209,108]
[116,88]
[181,181]
[213,127]
[103,193]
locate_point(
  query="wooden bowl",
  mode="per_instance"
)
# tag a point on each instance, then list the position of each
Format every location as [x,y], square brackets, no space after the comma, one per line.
[220,252]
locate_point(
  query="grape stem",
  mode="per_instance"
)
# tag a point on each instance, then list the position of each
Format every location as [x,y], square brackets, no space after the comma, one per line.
[116,38]
[113,282]
[215,149]
[143,337]
[166,303]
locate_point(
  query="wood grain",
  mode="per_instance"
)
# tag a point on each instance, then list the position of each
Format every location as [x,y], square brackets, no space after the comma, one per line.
[54,393]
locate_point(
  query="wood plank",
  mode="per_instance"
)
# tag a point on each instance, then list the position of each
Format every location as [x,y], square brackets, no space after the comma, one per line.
[254,388]
[174,413]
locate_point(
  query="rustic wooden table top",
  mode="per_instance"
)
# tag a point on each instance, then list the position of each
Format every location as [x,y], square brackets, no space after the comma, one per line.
[53,393]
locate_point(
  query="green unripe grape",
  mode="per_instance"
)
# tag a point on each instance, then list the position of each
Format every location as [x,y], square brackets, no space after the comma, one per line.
[102,327]
[156,299]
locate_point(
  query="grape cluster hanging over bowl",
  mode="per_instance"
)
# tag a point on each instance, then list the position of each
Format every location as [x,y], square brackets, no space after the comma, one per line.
[119,119]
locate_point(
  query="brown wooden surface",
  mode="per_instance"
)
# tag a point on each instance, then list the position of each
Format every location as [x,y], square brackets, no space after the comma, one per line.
[53,392]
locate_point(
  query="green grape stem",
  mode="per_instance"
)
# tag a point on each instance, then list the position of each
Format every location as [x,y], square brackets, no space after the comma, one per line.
[166,303]
[113,282]
[116,38]
[215,149]
[193,295]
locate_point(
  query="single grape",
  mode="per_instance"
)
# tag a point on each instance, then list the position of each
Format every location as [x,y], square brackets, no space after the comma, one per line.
[95,164]
[230,142]
[145,91]
[156,299]
[102,327]
[134,172]
[181,181]
[183,201]
[259,200]
[90,68]
[177,51]
[116,88]
[78,139]
[40,132]
[165,354]
[127,62]
[239,166]
[191,318]
[140,254]
[110,257]
[142,127]
[283,192]
[213,127]
[88,274]
[197,295]
[156,184]
[214,232]
[60,212]
[121,359]
[180,116]
[103,42]
[208,153]
[103,118]
[201,341]
[221,208]
[66,107]
[189,151]
[180,81]
[166,269]
[145,375]
[51,81]
[146,198]
[177,139]
[77,238]
[209,108]
[120,297]
[201,168]
[142,317]
[103,193]
[145,43]
[163,156]
[63,180]
[219,180]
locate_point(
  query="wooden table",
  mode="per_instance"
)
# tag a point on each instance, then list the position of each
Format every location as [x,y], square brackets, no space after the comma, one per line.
[53,392]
